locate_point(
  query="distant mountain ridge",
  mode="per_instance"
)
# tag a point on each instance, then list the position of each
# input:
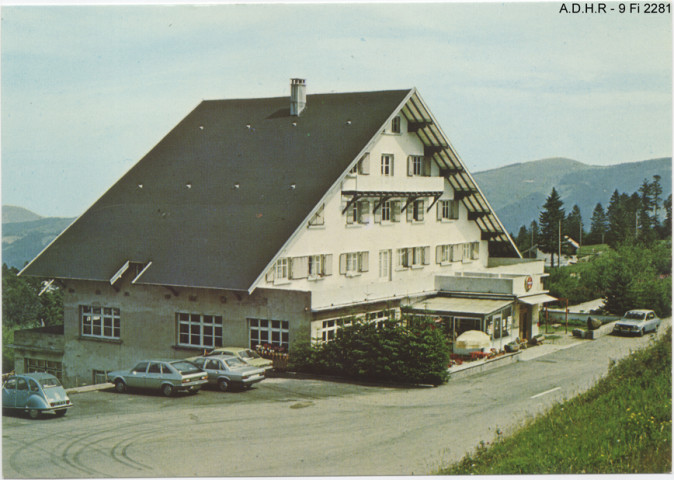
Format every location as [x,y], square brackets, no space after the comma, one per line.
[25,234]
[517,192]
[12,214]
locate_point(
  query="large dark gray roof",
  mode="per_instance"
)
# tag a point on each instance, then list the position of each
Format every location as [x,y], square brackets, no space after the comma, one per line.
[179,208]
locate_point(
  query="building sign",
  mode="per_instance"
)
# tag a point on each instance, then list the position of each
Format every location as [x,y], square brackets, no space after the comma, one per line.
[528,283]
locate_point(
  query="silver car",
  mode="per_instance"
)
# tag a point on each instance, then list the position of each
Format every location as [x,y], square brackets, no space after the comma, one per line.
[226,371]
[169,376]
[637,322]
[35,393]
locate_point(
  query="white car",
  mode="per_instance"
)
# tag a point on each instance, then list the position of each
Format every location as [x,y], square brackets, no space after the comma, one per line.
[637,322]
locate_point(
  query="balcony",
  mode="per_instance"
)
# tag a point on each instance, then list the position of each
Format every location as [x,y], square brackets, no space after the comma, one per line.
[403,185]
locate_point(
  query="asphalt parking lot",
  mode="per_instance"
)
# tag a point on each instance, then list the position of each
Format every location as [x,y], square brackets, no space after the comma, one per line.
[292,426]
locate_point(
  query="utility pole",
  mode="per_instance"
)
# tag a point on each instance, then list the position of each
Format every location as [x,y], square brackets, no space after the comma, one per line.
[559,256]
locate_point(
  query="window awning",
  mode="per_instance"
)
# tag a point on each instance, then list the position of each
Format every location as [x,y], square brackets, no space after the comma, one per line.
[447,305]
[536,299]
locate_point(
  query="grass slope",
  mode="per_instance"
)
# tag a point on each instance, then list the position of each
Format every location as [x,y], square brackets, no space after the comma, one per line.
[622,425]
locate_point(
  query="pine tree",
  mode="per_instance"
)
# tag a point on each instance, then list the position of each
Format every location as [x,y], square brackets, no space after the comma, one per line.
[550,219]
[598,226]
[646,226]
[574,224]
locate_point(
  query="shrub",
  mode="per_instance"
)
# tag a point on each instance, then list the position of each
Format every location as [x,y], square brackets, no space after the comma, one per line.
[390,351]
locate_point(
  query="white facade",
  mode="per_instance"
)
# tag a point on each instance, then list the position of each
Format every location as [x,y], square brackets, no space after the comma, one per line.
[376,255]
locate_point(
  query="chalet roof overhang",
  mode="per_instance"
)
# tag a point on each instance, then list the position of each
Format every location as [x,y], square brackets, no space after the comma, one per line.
[438,147]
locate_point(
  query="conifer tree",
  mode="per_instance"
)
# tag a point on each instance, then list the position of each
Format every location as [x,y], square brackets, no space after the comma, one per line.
[598,226]
[550,219]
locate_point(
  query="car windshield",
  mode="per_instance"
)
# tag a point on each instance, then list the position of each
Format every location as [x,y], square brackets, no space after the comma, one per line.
[49,382]
[634,316]
[248,354]
[184,367]
[234,362]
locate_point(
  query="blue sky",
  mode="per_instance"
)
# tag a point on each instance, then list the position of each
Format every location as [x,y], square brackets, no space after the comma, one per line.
[87,91]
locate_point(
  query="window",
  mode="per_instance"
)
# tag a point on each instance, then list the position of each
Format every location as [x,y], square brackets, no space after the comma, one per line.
[403,261]
[100,322]
[448,210]
[353,263]
[415,211]
[282,269]
[311,266]
[443,254]
[318,218]
[387,165]
[475,250]
[467,252]
[395,125]
[31,365]
[413,257]
[418,165]
[358,212]
[385,265]
[268,332]
[386,211]
[195,330]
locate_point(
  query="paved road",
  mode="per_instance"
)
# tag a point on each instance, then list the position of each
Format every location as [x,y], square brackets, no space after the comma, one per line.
[287,427]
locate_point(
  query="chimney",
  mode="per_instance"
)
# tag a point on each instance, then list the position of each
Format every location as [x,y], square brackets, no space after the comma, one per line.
[298,96]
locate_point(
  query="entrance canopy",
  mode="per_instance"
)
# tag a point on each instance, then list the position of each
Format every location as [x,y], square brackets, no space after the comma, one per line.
[536,299]
[476,306]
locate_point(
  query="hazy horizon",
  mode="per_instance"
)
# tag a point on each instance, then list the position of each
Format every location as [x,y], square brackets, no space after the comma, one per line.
[87,91]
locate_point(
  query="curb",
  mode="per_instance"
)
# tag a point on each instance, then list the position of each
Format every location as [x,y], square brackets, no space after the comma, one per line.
[89,388]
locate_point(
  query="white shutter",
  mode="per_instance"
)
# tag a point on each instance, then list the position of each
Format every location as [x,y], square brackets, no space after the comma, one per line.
[438,254]
[377,213]
[476,250]
[327,264]
[410,165]
[422,210]
[427,255]
[439,209]
[455,209]
[299,267]
[271,274]
[364,261]
[457,252]
[395,211]
[410,212]
[363,211]
[364,165]
[426,162]
[342,264]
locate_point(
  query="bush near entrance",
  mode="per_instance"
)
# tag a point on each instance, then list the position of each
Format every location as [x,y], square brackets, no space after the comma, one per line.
[389,351]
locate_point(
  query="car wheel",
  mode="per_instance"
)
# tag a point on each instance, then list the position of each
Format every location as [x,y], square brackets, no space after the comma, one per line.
[61,413]
[120,386]
[167,390]
[33,413]
[223,385]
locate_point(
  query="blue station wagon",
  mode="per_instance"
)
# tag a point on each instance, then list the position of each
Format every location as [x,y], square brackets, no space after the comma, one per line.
[35,393]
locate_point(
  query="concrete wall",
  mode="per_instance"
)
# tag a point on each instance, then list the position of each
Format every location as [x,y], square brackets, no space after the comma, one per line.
[149,327]
[45,343]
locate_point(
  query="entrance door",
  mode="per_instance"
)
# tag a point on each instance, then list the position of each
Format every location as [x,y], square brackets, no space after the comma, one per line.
[525,322]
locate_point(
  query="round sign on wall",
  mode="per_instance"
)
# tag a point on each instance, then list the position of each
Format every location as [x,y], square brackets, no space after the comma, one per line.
[528,283]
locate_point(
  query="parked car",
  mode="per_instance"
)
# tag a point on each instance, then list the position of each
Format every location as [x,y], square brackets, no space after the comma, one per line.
[249,356]
[169,376]
[35,393]
[226,371]
[637,322]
